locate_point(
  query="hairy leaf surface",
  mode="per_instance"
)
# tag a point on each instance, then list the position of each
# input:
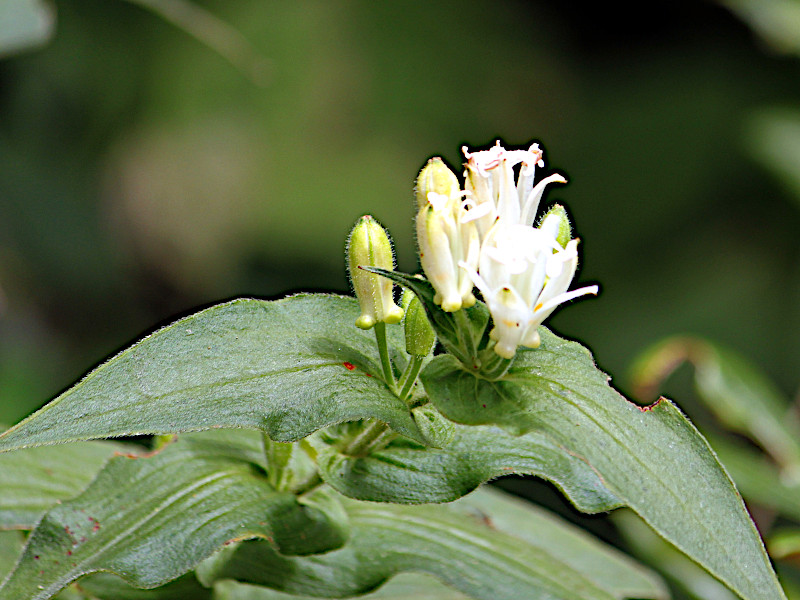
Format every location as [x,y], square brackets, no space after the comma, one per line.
[34,479]
[152,519]
[458,543]
[287,367]
[412,474]
[652,458]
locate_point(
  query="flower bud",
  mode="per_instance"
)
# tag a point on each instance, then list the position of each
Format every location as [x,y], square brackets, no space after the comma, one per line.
[369,245]
[556,222]
[446,242]
[420,337]
[435,177]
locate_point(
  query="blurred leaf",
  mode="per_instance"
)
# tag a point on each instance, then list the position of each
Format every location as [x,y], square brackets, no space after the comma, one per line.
[413,474]
[152,519]
[25,24]
[777,21]
[758,478]
[456,543]
[774,137]
[283,367]
[681,571]
[104,586]
[739,395]
[784,544]
[401,587]
[35,479]
[218,35]
[652,458]
[10,551]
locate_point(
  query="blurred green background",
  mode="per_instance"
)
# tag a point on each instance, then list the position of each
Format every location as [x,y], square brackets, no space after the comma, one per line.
[143,175]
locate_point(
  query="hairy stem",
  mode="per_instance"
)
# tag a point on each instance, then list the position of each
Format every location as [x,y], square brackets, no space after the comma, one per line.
[410,376]
[383,350]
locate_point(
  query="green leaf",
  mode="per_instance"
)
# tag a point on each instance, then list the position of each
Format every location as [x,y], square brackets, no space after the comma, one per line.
[686,575]
[288,367]
[741,397]
[411,474]
[607,567]
[416,586]
[152,519]
[104,586]
[25,24]
[35,479]
[651,458]
[10,551]
[456,543]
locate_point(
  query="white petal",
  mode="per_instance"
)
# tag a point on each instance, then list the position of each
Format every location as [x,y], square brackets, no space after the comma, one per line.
[531,204]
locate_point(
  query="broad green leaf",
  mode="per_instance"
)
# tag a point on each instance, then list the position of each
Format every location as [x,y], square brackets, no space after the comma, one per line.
[412,474]
[739,395]
[651,458]
[607,567]
[10,551]
[686,575]
[453,542]
[405,586]
[104,586]
[34,479]
[25,24]
[152,519]
[287,367]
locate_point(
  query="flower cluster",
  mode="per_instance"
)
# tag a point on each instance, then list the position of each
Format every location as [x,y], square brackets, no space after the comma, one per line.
[484,237]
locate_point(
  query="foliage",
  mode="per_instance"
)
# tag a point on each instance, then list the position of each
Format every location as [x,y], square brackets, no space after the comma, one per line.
[255,365]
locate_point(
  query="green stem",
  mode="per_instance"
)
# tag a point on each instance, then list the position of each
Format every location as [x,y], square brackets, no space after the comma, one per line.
[309,486]
[410,376]
[383,350]
[365,441]
[495,366]
[278,455]
[465,336]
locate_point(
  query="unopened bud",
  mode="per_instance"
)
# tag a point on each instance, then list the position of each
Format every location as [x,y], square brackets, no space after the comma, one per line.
[420,337]
[556,222]
[435,177]
[369,246]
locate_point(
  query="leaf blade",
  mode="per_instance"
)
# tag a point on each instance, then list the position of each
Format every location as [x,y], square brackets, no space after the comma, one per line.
[651,458]
[287,367]
[149,520]
[445,541]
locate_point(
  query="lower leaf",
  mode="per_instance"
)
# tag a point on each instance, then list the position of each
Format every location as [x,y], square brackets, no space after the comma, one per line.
[459,544]
[152,519]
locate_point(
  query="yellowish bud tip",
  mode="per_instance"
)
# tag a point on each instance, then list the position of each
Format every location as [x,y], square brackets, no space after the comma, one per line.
[435,177]
[369,245]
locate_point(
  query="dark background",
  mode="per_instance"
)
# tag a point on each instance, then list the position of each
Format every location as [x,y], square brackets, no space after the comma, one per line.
[142,175]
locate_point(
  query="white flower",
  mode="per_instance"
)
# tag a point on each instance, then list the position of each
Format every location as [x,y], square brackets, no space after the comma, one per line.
[492,193]
[445,236]
[523,275]
[447,241]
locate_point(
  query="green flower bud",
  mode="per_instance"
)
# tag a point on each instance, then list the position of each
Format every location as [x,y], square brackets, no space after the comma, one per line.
[557,222]
[436,177]
[420,337]
[369,245]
